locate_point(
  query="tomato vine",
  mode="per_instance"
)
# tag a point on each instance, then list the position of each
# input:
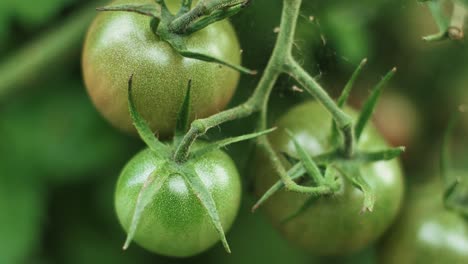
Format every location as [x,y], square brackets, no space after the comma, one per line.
[283,62]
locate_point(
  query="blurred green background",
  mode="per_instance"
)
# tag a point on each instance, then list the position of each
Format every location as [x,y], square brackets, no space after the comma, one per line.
[60,159]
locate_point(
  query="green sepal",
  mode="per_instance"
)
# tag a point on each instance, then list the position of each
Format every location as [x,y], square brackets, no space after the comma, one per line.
[331,178]
[204,57]
[199,189]
[370,104]
[226,142]
[185,6]
[147,193]
[166,14]
[289,158]
[350,84]
[441,20]
[455,192]
[344,98]
[183,117]
[177,42]
[151,10]
[294,173]
[353,173]
[159,149]
[445,150]
[311,167]
[216,16]
[383,155]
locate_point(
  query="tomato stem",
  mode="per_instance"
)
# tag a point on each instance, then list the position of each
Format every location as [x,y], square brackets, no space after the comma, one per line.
[343,120]
[281,61]
[455,29]
[452,29]
[214,10]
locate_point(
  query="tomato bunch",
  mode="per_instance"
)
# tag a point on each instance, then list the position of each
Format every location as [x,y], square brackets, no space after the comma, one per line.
[179,196]
[171,207]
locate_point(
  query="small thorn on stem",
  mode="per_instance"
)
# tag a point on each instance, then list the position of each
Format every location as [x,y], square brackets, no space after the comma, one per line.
[276,30]
[297,89]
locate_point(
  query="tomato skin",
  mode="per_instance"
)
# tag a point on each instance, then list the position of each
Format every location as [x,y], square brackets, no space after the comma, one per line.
[175,223]
[119,44]
[332,225]
[426,232]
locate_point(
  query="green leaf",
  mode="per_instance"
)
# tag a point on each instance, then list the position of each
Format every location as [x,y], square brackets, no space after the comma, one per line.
[228,141]
[199,189]
[151,10]
[158,148]
[183,118]
[370,104]
[353,173]
[148,191]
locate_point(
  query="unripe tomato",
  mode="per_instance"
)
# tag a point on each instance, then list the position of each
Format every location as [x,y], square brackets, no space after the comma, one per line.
[331,225]
[119,44]
[426,232]
[175,223]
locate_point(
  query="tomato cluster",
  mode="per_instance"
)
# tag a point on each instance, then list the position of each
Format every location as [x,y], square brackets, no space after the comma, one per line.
[172,212]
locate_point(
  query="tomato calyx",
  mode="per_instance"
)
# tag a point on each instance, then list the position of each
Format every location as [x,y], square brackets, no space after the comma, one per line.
[322,171]
[176,28]
[170,166]
[455,194]
[450,28]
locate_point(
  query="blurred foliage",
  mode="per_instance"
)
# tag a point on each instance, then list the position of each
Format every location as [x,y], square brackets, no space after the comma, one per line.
[60,159]
[30,15]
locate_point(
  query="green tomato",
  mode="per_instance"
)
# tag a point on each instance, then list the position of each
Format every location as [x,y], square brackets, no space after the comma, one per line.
[331,225]
[119,44]
[175,223]
[426,232]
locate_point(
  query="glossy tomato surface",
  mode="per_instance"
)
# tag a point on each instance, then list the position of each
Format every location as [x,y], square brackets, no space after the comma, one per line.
[426,232]
[331,225]
[119,44]
[175,223]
